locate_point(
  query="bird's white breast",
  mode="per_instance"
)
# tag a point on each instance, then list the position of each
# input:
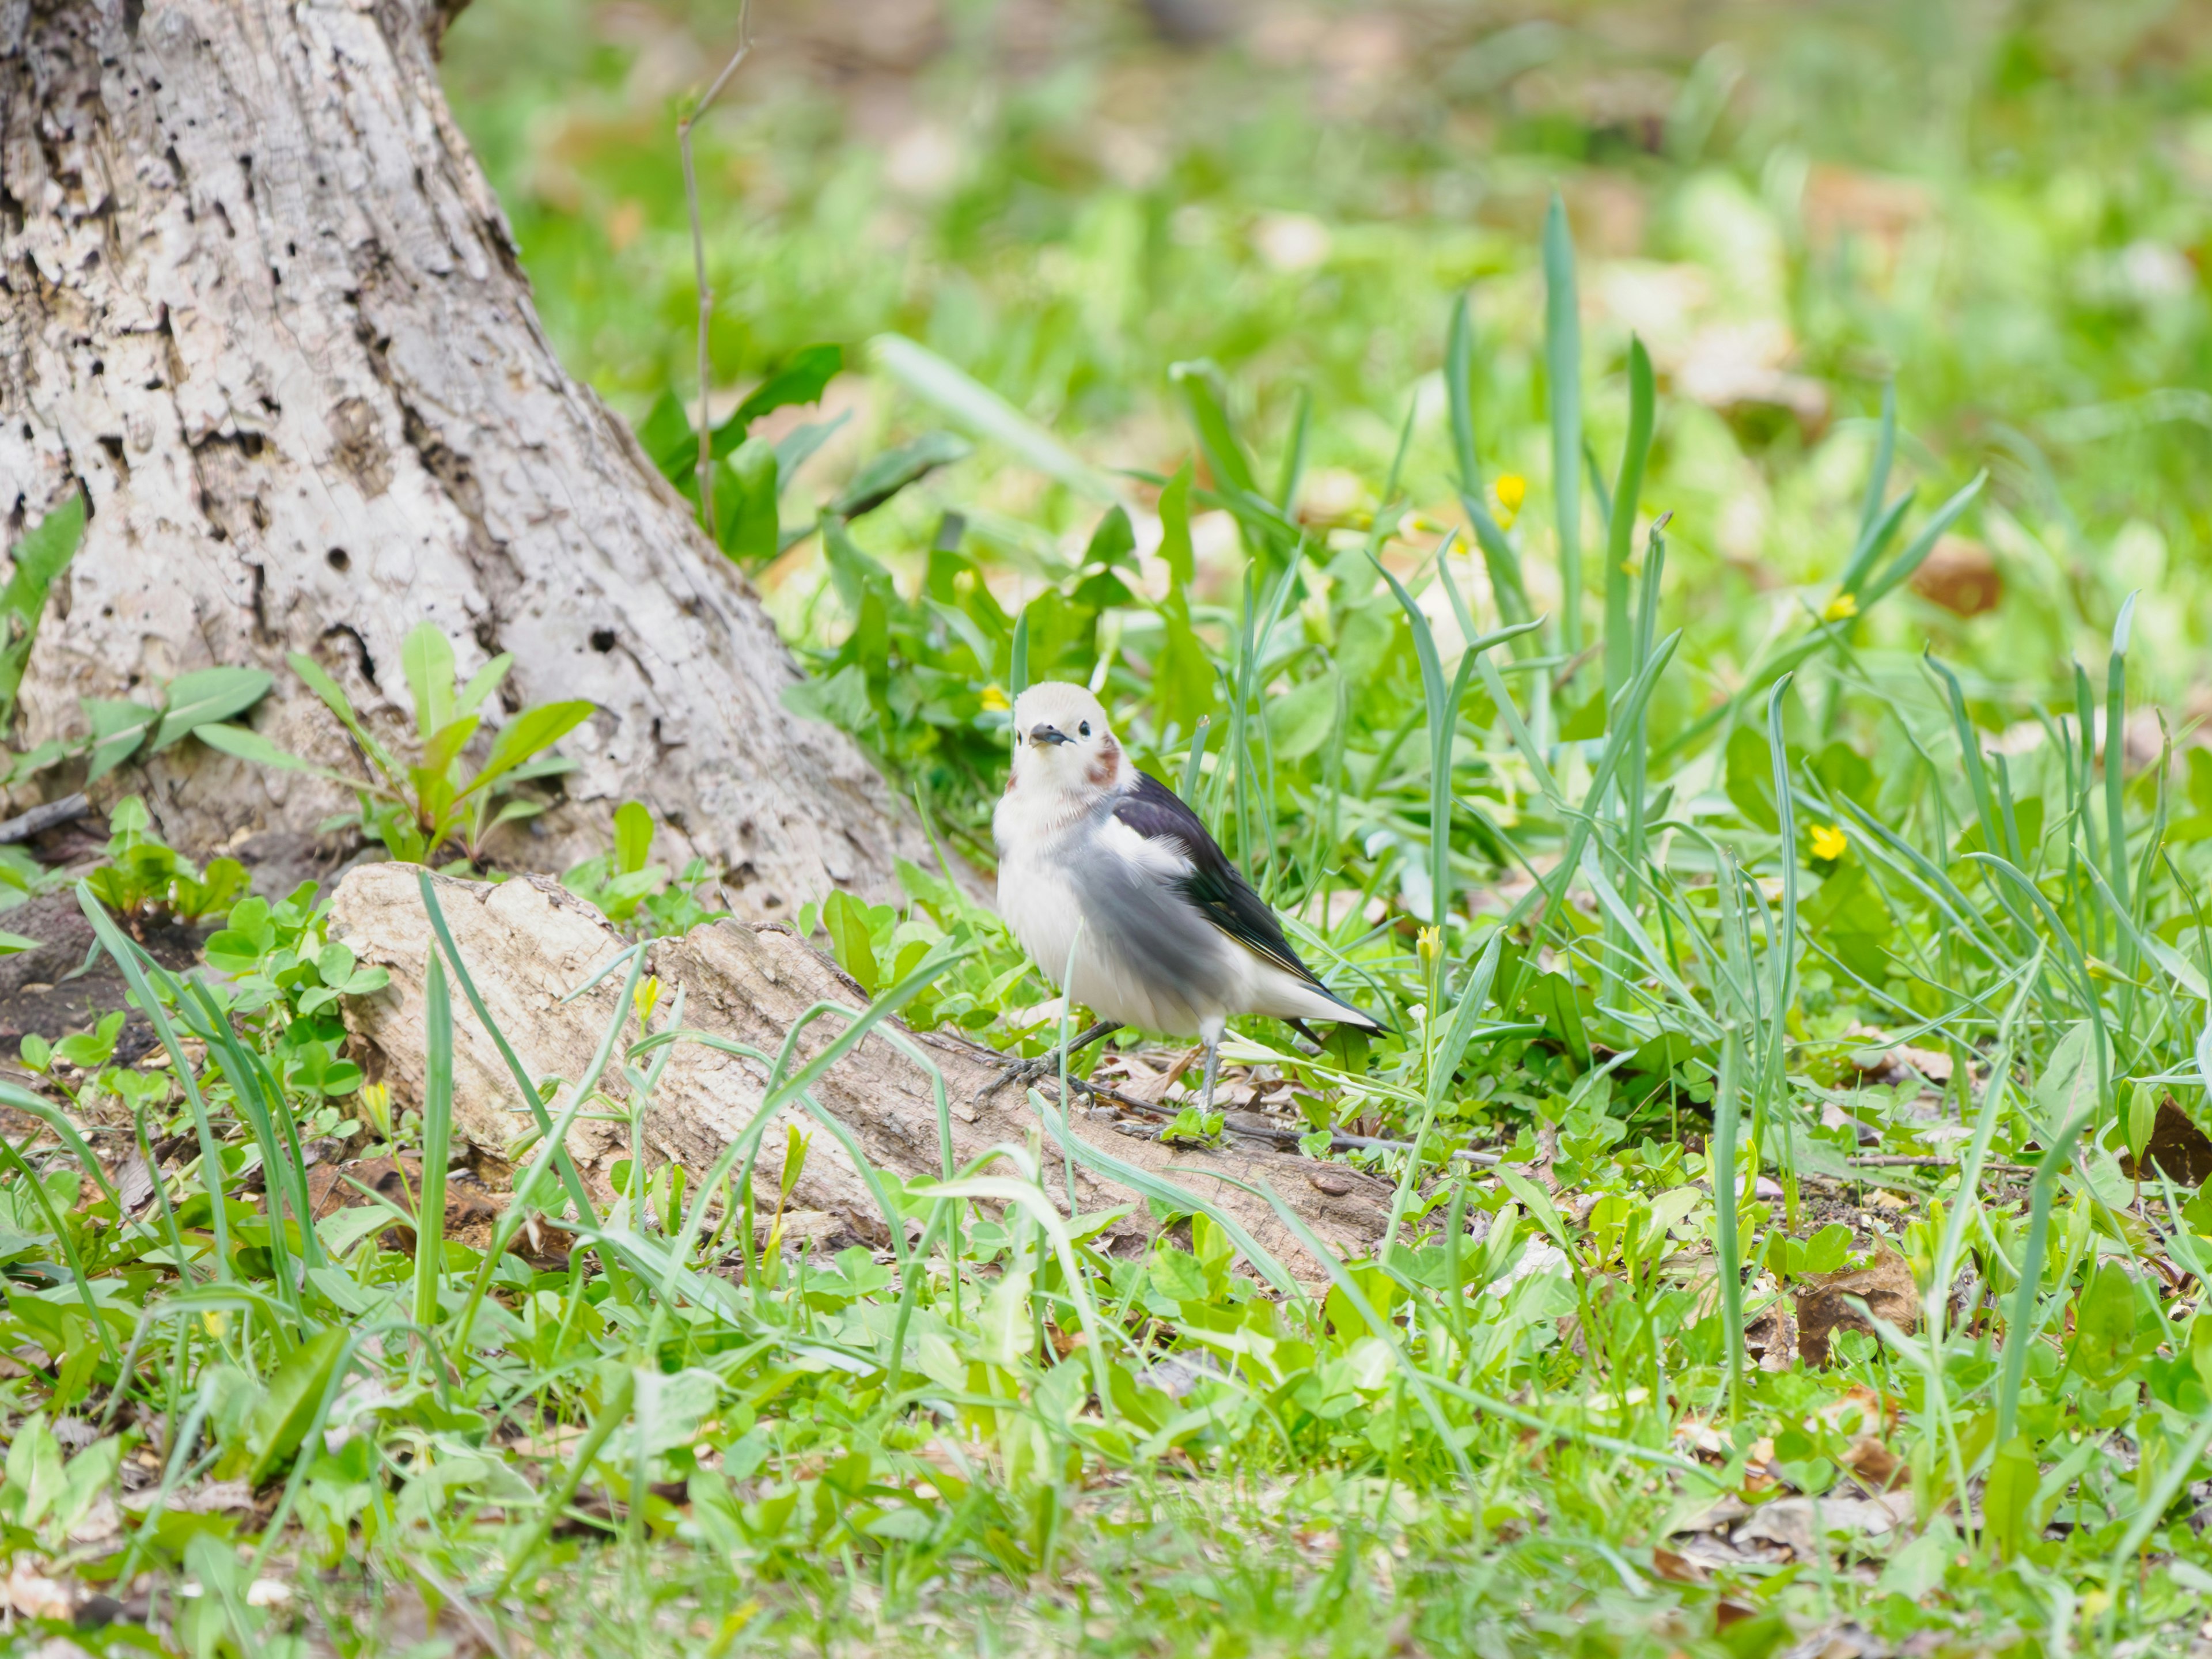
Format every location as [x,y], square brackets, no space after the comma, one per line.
[1036,900]
[1040,841]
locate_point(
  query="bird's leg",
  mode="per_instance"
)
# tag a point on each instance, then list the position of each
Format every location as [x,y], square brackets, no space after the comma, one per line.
[1212,1066]
[1029,1070]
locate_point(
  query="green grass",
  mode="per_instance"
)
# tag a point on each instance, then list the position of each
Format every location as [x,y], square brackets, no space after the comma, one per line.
[1716,897]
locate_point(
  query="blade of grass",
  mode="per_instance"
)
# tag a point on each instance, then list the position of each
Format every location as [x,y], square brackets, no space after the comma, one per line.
[1444,1062]
[523,1082]
[125,955]
[1620,531]
[2076,1098]
[437,1143]
[1563,370]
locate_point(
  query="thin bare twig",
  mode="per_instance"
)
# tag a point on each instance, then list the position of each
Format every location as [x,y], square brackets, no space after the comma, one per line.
[1914,1161]
[706,472]
[27,824]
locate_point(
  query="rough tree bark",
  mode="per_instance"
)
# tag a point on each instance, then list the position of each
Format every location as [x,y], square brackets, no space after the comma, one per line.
[258,303]
[528,944]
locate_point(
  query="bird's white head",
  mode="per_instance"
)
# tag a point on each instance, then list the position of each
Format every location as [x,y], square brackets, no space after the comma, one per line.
[1066,747]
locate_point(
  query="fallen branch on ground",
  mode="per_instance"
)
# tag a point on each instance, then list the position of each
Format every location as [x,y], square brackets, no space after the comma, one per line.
[528,944]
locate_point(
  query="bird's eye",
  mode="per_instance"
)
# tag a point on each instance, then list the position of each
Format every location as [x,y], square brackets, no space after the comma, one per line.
[1084,730]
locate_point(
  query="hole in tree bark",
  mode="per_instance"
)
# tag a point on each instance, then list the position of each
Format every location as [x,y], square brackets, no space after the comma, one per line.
[603,640]
[340,560]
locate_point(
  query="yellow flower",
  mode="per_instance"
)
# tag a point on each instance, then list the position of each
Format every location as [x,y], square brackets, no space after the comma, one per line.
[1431,945]
[1512,490]
[1842,608]
[648,997]
[1829,841]
[216,1321]
[995,699]
[376,1101]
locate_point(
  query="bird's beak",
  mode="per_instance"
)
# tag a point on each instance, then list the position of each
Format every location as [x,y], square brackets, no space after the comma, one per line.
[1041,734]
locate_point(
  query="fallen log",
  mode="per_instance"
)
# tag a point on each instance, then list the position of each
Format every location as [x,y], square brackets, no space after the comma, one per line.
[528,944]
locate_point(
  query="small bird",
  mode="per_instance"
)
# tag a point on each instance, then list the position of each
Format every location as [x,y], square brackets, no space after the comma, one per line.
[1097,859]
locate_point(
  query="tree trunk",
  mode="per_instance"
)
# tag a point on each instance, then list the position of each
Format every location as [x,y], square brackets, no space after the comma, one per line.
[258,303]
[527,944]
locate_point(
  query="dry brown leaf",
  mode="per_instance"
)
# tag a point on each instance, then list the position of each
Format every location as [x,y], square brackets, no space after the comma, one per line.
[2177,1147]
[33,1594]
[1873,1463]
[1803,1523]
[1961,577]
[1826,1302]
[1771,1339]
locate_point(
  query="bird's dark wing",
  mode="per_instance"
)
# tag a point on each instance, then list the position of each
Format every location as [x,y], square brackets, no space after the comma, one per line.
[1214,884]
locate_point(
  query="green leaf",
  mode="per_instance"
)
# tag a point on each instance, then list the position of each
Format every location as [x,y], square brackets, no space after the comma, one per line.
[286,1412]
[2104,1323]
[230,951]
[250,746]
[1176,1275]
[1750,779]
[982,412]
[797,447]
[1300,722]
[1554,999]
[482,683]
[1620,531]
[845,918]
[318,680]
[444,746]
[1205,401]
[12,943]
[1563,377]
[893,471]
[633,836]
[87,1050]
[1538,1203]
[426,657]
[211,892]
[2142,1116]
[1174,531]
[749,522]
[840,701]
[1459,394]
[2009,1495]
[2066,1093]
[118,728]
[801,381]
[667,434]
[535,728]
[1005,1332]
[40,556]
[207,695]
[1114,542]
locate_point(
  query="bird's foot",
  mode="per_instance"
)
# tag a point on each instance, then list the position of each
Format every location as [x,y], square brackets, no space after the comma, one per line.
[1025,1072]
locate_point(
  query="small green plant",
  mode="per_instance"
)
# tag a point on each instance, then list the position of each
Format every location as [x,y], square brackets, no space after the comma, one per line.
[40,557]
[436,803]
[879,945]
[286,975]
[750,474]
[120,728]
[1192,1127]
[147,883]
[76,1067]
[638,896]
